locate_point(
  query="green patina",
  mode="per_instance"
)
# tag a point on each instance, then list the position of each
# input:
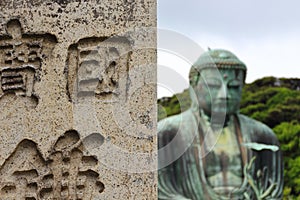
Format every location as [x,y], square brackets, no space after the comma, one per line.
[208,151]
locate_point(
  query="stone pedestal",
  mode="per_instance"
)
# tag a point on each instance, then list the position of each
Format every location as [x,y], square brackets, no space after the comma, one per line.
[77,98]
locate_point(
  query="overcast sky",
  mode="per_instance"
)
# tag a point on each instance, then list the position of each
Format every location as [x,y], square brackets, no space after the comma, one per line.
[264,34]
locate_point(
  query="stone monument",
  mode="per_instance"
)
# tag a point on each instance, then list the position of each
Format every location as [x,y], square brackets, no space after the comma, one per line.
[77,97]
[211,151]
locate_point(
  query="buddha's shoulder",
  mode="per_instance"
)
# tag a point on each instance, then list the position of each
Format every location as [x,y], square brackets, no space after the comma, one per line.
[181,126]
[256,128]
[253,124]
[177,122]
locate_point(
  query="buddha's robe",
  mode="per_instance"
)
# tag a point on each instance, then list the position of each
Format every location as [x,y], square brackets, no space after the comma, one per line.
[196,163]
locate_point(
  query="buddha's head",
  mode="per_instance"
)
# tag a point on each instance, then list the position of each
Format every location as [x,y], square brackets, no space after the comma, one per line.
[217,78]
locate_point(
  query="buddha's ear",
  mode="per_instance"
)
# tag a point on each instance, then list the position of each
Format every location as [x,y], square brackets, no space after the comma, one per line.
[194,76]
[241,74]
[194,99]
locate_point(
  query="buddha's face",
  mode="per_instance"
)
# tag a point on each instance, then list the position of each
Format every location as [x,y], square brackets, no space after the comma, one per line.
[219,90]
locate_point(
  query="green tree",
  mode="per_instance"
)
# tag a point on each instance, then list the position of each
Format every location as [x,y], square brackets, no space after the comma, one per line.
[288,134]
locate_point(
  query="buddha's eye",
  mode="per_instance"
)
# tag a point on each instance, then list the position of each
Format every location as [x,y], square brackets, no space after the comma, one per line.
[214,83]
[234,84]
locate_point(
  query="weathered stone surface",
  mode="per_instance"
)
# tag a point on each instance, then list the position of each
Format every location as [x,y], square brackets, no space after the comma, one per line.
[77,97]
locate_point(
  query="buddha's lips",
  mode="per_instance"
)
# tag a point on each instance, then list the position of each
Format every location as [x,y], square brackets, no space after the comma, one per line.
[224,102]
[220,103]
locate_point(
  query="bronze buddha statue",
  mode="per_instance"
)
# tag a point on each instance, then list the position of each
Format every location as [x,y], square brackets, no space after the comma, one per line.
[211,151]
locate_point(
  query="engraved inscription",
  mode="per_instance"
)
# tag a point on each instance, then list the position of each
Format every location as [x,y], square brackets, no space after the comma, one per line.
[66,174]
[21,57]
[98,67]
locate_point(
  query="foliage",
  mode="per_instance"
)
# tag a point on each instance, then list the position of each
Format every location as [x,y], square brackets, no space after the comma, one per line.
[272,105]
[288,134]
[273,101]
[168,106]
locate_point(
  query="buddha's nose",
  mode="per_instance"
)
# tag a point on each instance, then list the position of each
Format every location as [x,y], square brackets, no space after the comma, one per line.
[223,93]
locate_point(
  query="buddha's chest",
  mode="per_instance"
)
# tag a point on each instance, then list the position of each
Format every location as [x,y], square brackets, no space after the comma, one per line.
[223,162]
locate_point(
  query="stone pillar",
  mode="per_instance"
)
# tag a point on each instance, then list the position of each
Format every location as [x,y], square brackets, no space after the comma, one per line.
[78,99]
